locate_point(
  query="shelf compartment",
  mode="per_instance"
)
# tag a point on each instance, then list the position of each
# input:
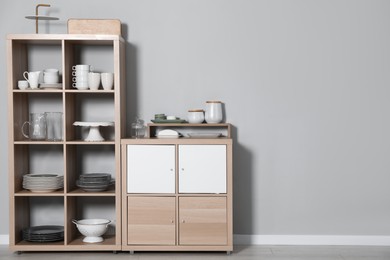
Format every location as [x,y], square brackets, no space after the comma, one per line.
[81,159]
[88,52]
[26,103]
[37,211]
[32,159]
[186,128]
[89,207]
[33,56]
[89,108]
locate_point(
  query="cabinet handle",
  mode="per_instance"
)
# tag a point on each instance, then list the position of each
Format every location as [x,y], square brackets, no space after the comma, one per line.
[183,221]
[171,170]
[182,169]
[172,221]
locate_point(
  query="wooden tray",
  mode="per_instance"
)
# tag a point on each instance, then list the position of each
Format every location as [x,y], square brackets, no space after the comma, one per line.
[94,26]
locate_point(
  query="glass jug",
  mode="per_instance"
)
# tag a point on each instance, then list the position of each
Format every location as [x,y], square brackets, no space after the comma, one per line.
[37,127]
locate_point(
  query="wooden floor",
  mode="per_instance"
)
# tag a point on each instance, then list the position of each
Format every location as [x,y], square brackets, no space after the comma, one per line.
[240,252]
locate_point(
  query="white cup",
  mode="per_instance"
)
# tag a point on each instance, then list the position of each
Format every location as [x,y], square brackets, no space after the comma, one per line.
[77,73]
[107,80]
[22,84]
[80,79]
[80,85]
[93,80]
[82,67]
[32,78]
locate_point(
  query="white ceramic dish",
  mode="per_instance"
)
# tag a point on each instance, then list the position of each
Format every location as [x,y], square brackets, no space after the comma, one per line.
[94,133]
[92,229]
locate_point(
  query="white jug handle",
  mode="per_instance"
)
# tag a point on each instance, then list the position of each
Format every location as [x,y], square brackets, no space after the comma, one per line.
[23,133]
[24,76]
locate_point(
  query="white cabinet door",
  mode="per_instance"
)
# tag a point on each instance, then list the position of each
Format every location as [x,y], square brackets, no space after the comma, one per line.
[151,169]
[202,168]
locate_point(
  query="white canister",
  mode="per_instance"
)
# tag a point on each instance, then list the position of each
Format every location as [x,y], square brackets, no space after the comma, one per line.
[195,116]
[213,114]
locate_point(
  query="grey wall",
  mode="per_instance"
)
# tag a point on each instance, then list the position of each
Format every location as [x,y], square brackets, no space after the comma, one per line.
[304,82]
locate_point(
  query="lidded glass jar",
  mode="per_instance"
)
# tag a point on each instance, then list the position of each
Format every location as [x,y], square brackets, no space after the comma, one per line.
[138,128]
[213,112]
[195,116]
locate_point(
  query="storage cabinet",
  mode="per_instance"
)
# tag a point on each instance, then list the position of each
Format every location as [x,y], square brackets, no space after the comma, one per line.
[71,156]
[196,214]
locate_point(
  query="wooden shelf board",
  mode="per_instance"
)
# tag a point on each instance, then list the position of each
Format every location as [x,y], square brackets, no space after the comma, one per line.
[80,192]
[109,241]
[90,143]
[39,194]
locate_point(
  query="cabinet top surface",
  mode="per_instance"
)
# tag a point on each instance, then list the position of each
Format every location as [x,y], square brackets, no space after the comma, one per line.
[64,37]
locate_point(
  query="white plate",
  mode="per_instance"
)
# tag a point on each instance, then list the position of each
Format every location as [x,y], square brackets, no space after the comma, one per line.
[167,136]
[204,135]
[50,86]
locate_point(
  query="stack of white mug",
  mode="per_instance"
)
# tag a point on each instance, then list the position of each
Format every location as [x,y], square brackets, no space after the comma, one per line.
[80,76]
[84,78]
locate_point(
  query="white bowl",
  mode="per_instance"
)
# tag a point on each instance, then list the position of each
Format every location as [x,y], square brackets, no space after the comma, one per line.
[92,229]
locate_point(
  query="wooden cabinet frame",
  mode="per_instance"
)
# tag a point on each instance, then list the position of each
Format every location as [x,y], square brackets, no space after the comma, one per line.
[224,241]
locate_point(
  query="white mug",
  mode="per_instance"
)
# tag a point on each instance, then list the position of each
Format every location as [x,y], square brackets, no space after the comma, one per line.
[82,67]
[80,79]
[107,80]
[32,78]
[80,85]
[77,73]
[93,80]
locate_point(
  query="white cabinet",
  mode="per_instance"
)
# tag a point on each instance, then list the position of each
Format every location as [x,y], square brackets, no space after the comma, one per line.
[151,169]
[202,168]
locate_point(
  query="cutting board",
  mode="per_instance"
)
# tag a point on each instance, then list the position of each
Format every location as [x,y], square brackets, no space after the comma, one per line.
[94,26]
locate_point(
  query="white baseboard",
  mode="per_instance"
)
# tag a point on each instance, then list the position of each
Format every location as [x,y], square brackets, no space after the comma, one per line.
[295,240]
[311,240]
[4,239]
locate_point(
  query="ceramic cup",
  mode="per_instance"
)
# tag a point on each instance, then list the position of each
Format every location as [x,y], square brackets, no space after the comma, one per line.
[51,76]
[80,79]
[32,78]
[195,116]
[93,80]
[81,67]
[22,84]
[80,85]
[107,80]
[77,73]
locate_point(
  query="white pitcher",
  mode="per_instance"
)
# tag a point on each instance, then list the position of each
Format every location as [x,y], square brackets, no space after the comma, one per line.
[32,78]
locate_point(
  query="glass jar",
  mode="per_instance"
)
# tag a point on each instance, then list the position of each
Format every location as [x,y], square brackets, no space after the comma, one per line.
[138,128]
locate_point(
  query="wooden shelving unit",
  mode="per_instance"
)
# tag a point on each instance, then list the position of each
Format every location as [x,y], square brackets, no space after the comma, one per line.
[33,52]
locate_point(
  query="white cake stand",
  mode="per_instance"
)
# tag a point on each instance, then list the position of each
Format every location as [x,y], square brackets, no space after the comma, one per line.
[94,132]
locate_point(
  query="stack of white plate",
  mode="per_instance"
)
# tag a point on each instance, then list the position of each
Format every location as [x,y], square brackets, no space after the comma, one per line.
[43,182]
[94,182]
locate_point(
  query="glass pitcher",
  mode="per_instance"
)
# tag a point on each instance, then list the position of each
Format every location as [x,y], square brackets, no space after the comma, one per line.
[37,127]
